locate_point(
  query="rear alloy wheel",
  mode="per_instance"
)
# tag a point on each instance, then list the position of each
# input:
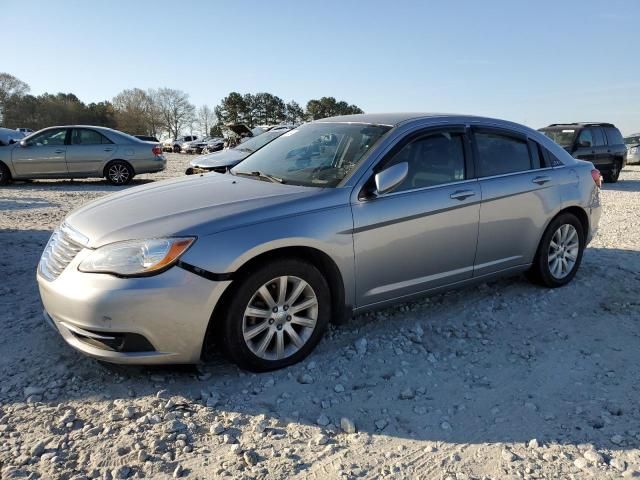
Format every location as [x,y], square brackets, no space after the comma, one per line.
[277,316]
[560,252]
[5,174]
[612,175]
[119,173]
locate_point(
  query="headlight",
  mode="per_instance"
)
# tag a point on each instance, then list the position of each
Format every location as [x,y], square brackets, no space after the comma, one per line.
[136,257]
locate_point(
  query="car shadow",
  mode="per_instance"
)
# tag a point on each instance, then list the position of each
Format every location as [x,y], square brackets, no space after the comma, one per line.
[24,203]
[623,186]
[96,185]
[504,361]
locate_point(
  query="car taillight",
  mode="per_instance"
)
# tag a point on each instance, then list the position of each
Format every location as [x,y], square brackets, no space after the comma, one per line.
[597,177]
[157,150]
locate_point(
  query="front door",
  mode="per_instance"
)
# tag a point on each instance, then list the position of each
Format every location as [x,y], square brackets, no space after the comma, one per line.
[88,152]
[585,148]
[423,234]
[42,155]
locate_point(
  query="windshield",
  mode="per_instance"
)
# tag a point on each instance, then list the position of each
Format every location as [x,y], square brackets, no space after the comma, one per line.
[315,154]
[632,140]
[562,136]
[255,143]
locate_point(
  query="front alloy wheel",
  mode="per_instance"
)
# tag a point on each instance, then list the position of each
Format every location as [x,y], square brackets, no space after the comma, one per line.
[280,318]
[275,315]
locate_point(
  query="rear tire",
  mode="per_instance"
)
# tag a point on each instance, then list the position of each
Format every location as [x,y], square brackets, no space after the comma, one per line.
[559,253]
[176,149]
[119,173]
[5,174]
[279,334]
[612,175]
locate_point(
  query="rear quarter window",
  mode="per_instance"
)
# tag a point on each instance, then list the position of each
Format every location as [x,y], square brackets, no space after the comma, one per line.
[614,137]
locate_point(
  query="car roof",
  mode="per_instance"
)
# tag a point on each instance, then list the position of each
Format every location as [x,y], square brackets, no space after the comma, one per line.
[582,124]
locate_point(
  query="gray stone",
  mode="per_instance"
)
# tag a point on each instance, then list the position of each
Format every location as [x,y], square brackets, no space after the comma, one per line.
[347,425]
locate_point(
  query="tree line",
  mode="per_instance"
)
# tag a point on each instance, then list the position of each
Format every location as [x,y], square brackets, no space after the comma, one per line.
[158,112]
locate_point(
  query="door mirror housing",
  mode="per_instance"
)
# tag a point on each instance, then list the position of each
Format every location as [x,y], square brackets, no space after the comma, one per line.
[391,177]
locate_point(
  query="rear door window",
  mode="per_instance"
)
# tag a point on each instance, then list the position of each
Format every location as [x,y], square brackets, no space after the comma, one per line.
[598,137]
[500,154]
[84,136]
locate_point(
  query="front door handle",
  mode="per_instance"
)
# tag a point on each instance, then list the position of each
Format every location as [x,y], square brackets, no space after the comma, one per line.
[541,180]
[108,149]
[462,194]
[58,151]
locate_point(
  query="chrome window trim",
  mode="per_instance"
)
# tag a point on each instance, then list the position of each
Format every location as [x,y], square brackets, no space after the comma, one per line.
[510,174]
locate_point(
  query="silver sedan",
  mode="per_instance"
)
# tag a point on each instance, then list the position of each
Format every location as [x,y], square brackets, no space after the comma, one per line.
[80,151]
[333,218]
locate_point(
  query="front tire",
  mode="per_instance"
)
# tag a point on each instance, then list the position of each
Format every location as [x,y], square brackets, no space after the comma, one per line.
[559,253]
[276,316]
[119,173]
[5,174]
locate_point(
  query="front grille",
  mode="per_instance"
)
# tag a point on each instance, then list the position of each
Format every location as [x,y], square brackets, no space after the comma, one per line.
[61,249]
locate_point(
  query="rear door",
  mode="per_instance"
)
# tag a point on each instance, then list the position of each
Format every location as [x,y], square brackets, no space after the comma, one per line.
[423,234]
[519,193]
[602,154]
[43,154]
[88,152]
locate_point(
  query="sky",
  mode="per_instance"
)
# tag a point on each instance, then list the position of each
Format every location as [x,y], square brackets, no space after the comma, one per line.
[531,62]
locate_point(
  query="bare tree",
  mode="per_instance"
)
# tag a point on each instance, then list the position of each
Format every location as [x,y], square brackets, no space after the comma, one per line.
[10,87]
[135,112]
[175,109]
[206,119]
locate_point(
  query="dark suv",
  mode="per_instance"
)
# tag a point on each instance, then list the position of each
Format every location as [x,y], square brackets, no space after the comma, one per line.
[599,143]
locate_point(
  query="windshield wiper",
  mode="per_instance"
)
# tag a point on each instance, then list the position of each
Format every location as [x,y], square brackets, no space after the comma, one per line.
[261,175]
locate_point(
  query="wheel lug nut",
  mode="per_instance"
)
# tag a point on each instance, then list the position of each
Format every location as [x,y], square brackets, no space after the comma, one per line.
[274,309]
[271,321]
[288,318]
[280,327]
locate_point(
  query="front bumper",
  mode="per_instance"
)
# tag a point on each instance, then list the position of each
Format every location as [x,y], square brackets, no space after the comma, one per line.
[159,320]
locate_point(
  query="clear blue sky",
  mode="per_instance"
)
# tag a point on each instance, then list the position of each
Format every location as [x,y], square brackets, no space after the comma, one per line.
[531,62]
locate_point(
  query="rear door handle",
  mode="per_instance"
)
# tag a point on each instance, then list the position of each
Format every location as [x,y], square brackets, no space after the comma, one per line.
[108,149]
[541,180]
[58,151]
[462,194]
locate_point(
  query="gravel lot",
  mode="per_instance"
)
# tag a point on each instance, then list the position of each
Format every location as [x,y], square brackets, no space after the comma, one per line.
[502,380]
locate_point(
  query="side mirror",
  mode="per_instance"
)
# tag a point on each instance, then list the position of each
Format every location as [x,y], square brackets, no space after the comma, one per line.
[12,141]
[391,177]
[584,144]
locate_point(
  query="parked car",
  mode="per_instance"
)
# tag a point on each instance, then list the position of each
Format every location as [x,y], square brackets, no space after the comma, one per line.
[632,142]
[197,146]
[79,151]
[8,136]
[147,138]
[336,217]
[598,143]
[214,145]
[176,145]
[222,161]
[24,131]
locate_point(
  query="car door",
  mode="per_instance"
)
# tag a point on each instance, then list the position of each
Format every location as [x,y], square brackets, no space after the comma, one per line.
[43,154]
[601,155]
[423,234]
[584,148]
[519,194]
[88,152]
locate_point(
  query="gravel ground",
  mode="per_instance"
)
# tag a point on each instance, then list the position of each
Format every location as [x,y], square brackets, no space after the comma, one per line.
[501,380]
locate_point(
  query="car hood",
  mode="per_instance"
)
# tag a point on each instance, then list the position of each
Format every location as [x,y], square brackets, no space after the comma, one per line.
[224,158]
[193,205]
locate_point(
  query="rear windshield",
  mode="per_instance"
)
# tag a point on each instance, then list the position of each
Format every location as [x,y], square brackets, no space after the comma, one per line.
[562,136]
